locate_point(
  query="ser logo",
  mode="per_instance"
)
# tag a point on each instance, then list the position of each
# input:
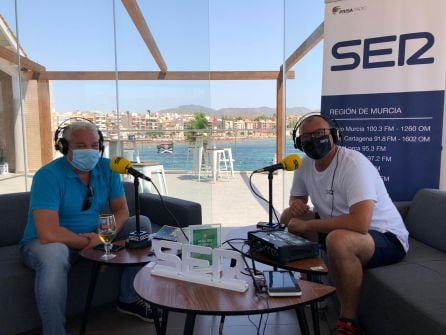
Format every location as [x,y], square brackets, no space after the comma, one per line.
[371,50]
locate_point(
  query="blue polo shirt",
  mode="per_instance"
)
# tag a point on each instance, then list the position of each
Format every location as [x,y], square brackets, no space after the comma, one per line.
[57,187]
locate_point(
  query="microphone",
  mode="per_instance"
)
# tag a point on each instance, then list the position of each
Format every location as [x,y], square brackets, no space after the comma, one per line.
[138,238]
[289,163]
[124,166]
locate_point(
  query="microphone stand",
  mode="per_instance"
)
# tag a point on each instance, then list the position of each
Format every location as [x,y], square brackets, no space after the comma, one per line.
[139,238]
[269,225]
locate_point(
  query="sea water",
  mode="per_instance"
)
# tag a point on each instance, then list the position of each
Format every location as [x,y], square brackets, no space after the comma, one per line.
[248,155]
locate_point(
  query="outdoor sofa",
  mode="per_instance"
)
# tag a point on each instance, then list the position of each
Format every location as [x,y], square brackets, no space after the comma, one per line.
[18,311]
[410,297]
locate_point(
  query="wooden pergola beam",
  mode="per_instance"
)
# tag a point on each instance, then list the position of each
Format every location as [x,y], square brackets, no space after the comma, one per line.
[138,19]
[25,62]
[44,104]
[312,40]
[280,145]
[172,75]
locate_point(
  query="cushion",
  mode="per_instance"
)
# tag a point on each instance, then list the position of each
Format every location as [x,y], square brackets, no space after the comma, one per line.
[428,226]
[403,292]
[421,253]
[14,208]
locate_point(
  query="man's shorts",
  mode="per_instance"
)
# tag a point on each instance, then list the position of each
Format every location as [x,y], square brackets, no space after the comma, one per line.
[388,249]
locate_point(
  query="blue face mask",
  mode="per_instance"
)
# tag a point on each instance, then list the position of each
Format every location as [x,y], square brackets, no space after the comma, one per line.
[85,159]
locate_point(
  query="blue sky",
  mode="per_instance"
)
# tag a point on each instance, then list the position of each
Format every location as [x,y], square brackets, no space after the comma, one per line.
[192,35]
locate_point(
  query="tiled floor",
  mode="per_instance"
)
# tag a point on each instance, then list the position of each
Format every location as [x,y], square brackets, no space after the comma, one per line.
[108,321]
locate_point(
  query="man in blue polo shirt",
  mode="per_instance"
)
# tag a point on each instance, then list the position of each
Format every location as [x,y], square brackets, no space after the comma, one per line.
[67,196]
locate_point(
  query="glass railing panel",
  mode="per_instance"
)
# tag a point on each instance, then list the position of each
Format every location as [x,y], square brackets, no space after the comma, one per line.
[302,94]
[12,137]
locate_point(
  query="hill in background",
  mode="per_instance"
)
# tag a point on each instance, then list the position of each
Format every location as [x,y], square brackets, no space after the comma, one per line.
[248,112]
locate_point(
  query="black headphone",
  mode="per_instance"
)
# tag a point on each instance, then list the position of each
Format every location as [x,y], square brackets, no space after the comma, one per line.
[61,144]
[335,131]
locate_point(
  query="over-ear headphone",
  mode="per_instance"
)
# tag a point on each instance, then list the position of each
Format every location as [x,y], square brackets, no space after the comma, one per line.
[60,142]
[333,124]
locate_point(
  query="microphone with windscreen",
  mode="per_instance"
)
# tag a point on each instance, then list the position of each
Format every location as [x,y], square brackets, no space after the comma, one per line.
[139,238]
[124,166]
[289,163]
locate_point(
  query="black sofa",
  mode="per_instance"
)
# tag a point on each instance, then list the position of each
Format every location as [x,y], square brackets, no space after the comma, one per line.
[410,297]
[18,312]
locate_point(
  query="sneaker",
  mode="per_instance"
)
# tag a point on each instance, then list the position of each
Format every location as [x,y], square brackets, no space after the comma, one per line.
[139,308]
[347,327]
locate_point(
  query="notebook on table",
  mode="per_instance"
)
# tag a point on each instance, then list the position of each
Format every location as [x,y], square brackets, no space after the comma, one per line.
[168,233]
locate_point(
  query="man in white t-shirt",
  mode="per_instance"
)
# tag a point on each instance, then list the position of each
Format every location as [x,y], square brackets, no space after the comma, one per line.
[353,216]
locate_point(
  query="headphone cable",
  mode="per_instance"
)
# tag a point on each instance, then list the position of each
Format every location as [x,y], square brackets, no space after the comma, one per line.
[332,181]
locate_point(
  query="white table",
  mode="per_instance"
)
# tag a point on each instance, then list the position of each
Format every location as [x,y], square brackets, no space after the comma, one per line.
[152,167]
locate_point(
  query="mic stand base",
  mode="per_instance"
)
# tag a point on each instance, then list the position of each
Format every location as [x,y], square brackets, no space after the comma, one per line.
[138,240]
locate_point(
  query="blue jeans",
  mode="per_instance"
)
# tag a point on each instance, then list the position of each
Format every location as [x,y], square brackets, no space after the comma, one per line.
[52,262]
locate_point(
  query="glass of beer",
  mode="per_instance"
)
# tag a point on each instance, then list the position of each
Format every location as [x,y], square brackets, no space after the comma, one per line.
[107,233]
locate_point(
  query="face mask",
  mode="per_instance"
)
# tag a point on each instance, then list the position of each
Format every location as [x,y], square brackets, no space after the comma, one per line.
[317,148]
[85,159]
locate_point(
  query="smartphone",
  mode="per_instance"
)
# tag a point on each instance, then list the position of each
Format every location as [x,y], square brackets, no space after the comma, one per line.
[114,248]
[281,283]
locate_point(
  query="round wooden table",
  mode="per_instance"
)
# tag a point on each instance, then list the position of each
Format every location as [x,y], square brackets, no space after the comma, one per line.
[124,257]
[193,299]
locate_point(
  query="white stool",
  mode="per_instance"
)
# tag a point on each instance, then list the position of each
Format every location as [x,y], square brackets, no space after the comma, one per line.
[200,162]
[222,163]
[214,156]
[230,160]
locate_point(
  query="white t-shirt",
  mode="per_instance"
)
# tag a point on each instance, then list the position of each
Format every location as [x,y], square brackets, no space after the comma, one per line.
[349,179]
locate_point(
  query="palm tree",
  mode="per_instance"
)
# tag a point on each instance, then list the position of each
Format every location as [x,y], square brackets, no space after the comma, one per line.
[198,123]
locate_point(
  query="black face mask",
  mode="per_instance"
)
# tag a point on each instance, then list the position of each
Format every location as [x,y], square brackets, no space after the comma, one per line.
[317,148]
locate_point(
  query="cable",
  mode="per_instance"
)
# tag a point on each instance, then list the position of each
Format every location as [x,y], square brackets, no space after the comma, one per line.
[259,290]
[168,210]
[266,320]
[332,181]
[257,327]
[250,273]
[260,196]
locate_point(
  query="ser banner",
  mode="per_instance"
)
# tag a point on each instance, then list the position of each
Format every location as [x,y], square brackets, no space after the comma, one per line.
[384,83]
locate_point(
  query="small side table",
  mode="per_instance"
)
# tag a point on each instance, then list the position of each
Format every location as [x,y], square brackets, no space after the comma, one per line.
[123,257]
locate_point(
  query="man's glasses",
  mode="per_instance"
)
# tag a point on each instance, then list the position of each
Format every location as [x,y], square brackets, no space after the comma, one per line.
[305,137]
[88,197]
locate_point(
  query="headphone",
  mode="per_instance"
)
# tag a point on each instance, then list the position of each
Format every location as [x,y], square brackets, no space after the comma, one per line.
[335,131]
[61,144]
